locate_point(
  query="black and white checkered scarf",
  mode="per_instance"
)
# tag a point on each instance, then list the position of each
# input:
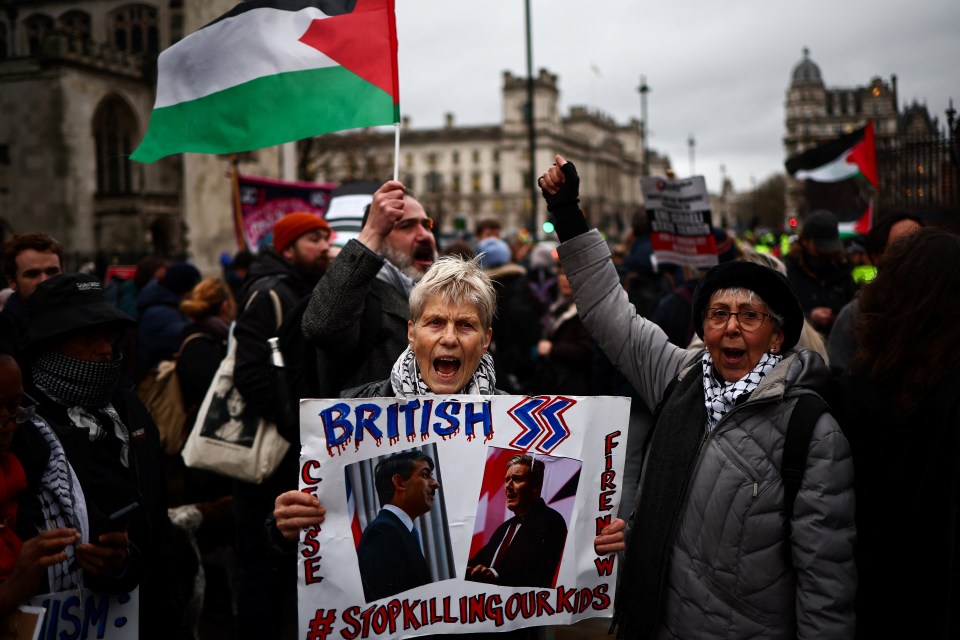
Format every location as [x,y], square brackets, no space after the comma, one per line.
[74,382]
[84,388]
[406,380]
[720,396]
[63,505]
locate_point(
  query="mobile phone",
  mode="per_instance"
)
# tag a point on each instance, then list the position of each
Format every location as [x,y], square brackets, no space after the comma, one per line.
[120,519]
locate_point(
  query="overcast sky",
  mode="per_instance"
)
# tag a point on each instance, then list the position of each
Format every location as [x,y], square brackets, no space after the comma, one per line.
[716,70]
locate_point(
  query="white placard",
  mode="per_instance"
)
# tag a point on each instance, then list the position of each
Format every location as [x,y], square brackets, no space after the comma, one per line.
[470,439]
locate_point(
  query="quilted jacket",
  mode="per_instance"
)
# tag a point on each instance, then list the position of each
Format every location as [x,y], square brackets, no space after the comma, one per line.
[731,573]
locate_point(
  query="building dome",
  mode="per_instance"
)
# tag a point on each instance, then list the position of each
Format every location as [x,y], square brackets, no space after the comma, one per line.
[807,70]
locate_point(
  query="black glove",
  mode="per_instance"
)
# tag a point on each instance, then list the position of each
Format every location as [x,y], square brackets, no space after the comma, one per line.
[569,193]
[565,205]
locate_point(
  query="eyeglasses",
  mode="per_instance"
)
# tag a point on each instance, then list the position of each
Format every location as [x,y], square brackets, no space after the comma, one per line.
[410,223]
[23,415]
[748,319]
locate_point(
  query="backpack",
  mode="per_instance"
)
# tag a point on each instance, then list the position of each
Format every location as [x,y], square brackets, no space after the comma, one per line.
[159,391]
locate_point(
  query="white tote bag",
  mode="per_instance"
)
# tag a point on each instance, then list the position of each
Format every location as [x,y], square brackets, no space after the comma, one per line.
[229,439]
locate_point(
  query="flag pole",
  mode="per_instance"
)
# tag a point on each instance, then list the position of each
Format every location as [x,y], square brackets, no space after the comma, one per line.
[396,151]
[237,209]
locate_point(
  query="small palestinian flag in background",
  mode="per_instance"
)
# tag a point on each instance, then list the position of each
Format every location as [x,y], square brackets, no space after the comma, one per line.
[273,71]
[850,156]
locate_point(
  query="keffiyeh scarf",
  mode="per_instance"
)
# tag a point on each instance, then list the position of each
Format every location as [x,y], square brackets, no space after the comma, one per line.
[63,505]
[406,380]
[720,397]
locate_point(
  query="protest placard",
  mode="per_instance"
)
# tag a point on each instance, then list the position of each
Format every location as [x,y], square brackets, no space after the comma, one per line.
[494,547]
[84,613]
[679,213]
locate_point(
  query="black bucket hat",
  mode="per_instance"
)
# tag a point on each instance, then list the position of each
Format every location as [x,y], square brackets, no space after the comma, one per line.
[68,302]
[770,285]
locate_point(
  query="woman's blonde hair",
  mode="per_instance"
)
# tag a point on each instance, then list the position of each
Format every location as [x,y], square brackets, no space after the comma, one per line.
[458,280]
[205,299]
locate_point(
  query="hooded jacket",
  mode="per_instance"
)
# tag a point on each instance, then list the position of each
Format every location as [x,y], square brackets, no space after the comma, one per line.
[160,326]
[731,567]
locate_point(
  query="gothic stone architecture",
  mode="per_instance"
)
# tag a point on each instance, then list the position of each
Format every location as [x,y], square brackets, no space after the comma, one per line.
[466,173]
[77,86]
[912,170]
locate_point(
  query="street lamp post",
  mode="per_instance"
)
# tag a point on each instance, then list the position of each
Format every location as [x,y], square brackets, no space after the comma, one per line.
[531,131]
[644,129]
[691,143]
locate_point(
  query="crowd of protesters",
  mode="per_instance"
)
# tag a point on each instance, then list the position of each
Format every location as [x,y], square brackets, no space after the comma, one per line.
[773,321]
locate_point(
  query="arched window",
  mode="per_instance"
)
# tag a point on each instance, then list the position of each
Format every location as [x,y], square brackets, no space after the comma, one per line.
[114,129]
[161,236]
[134,29]
[36,29]
[76,24]
[4,41]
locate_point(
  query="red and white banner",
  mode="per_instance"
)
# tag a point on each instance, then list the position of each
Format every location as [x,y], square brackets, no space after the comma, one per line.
[263,201]
[679,213]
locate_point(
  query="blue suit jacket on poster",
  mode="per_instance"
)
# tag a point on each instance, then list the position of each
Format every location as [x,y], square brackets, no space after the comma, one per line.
[390,558]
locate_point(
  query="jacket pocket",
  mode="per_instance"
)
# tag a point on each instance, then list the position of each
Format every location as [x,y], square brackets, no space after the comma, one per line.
[737,605]
[734,457]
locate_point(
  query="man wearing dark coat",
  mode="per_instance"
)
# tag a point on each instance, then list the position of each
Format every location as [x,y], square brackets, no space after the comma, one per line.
[391,560]
[284,274]
[527,548]
[357,315]
[28,259]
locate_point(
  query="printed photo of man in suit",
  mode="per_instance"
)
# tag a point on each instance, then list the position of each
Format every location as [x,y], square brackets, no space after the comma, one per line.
[527,548]
[390,553]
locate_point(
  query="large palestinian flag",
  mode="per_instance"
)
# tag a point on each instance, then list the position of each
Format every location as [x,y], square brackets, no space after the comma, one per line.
[849,156]
[272,71]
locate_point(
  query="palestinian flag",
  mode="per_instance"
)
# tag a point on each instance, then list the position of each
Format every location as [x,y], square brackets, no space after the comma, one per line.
[849,156]
[273,71]
[859,227]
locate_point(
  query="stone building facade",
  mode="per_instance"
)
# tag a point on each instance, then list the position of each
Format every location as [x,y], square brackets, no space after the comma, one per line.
[912,169]
[466,173]
[77,84]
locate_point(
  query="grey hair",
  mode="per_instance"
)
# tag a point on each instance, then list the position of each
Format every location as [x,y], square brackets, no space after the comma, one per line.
[765,260]
[752,298]
[457,280]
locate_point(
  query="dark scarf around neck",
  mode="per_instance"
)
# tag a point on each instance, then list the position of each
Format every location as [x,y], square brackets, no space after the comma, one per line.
[674,445]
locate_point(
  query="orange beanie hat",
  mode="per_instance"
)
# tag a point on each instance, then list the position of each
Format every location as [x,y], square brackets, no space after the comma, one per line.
[287,229]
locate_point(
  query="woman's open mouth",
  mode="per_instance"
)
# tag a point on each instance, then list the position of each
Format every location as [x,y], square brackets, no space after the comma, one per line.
[446,367]
[733,356]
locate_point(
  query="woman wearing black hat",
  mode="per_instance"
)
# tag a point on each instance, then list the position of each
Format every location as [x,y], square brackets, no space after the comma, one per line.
[712,553]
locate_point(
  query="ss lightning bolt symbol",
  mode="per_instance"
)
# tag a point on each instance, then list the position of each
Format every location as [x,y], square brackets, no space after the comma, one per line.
[541,422]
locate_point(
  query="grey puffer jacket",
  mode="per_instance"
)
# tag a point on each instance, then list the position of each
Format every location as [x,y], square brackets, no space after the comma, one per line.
[728,574]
